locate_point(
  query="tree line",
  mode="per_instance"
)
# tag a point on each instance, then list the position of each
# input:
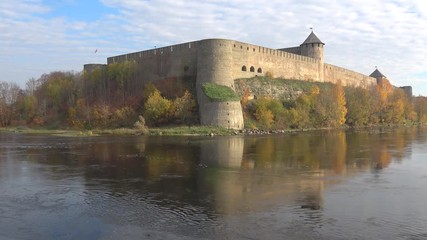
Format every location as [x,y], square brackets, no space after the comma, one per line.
[117,95]
[106,97]
[335,106]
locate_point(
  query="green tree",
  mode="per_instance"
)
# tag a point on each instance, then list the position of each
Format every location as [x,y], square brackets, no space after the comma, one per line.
[268,112]
[329,107]
[420,107]
[183,109]
[123,117]
[360,106]
[157,109]
[121,75]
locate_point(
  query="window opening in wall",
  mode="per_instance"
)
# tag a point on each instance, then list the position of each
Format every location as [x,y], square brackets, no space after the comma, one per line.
[241,47]
[244,68]
[254,49]
[234,45]
[247,48]
[189,45]
[259,70]
[312,44]
[252,69]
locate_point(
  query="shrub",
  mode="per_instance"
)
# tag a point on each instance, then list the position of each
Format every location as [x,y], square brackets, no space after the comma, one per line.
[157,109]
[123,117]
[140,125]
[101,116]
[183,109]
[264,117]
[268,111]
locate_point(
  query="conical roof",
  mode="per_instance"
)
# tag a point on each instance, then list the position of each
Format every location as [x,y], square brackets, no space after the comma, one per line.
[377,74]
[312,38]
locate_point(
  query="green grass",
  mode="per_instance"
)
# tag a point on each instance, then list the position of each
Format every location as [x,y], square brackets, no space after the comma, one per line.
[219,93]
[166,131]
[46,131]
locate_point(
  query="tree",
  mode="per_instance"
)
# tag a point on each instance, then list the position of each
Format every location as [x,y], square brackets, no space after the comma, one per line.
[360,106]
[399,109]
[183,109]
[329,107]
[267,111]
[9,95]
[420,107]
[121,74]
[339,95]
[157,109]
[384,90]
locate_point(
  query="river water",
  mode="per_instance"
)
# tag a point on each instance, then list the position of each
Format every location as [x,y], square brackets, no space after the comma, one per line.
[311,185]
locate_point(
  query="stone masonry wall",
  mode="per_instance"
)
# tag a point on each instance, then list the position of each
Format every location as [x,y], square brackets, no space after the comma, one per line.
[258,61]
[166,62]
[347,77]
[222,61]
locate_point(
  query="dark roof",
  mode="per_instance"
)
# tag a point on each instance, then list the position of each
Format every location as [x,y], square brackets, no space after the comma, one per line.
[377,74]
[312,38]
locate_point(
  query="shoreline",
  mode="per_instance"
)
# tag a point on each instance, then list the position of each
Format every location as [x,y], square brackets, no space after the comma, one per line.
[190,131]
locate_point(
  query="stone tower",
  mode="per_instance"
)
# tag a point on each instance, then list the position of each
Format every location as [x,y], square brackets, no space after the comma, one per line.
[313,47]
[378,75]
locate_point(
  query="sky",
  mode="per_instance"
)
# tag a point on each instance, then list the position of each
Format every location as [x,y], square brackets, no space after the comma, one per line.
[41,36]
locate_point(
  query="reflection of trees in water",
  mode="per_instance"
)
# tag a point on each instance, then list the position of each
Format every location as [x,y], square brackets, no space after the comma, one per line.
[377,148]
[229,173]
[322,150]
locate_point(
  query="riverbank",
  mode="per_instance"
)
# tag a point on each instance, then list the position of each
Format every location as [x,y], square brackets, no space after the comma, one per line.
[186,131]
[166,131]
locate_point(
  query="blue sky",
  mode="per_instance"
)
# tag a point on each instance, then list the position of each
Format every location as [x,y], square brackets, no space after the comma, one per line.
[40,36]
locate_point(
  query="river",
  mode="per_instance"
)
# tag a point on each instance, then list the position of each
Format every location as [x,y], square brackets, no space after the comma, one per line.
[310,185]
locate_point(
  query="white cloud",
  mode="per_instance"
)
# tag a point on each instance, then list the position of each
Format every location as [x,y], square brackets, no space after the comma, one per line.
[359,34]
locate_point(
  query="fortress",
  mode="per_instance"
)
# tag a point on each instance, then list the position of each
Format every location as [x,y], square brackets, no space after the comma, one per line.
[221,61]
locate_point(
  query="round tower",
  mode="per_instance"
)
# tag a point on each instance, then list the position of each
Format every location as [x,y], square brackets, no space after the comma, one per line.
[214,65]
[313,47]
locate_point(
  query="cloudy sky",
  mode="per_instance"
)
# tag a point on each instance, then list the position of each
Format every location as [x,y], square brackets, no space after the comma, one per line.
[40,36]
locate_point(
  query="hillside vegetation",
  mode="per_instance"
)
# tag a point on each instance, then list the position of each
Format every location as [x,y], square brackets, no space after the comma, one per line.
[118,97]
[283,104]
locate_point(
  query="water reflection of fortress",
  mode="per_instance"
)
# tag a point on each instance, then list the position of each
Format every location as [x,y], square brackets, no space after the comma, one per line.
[282,159]
[252,173]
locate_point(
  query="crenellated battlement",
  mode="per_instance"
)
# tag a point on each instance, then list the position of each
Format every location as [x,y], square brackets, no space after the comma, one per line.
[174,49]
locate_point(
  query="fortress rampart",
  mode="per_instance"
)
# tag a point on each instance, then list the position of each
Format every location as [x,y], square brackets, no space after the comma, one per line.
[347,77]
[221,61]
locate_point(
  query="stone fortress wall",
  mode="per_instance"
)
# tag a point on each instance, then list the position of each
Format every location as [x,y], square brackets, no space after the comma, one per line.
[186,58]
[221,61]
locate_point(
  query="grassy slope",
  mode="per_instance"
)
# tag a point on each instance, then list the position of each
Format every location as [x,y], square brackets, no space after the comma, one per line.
[219,93]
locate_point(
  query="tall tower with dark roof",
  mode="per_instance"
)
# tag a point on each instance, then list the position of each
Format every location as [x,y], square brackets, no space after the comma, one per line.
[312,47]
[377,75]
